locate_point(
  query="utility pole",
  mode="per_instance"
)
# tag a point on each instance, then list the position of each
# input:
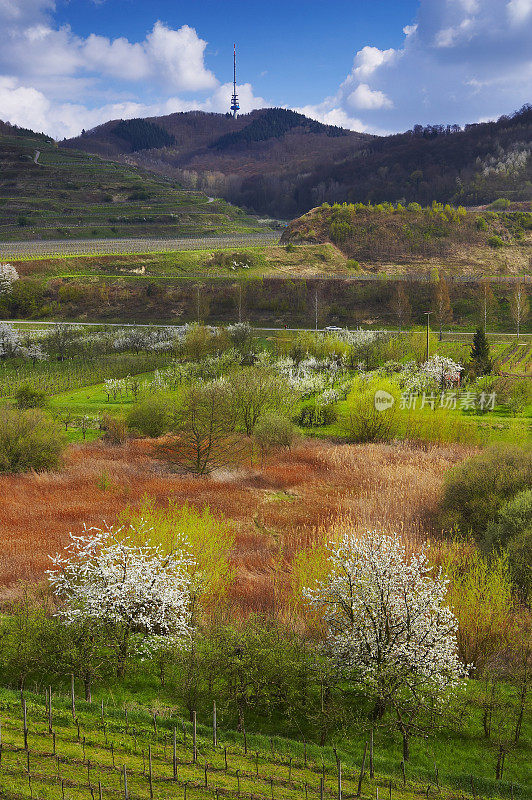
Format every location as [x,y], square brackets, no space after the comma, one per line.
[427,314]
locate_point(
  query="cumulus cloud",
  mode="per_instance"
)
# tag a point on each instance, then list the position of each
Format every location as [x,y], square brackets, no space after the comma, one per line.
[363,97]
[112,76]
[457,61]
[460,61]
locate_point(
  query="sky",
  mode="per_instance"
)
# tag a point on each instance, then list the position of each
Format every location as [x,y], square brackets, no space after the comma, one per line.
[379,66]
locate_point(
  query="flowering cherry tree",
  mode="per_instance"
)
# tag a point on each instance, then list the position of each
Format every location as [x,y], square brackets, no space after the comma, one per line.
[8,276]
[135,591]
[442,370]
[388,625]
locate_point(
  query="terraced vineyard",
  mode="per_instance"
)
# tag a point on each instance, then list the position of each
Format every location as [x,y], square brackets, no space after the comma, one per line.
[51,193]
[69,750]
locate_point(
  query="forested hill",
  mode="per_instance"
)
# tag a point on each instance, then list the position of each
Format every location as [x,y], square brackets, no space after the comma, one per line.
[438,235]
[280,163]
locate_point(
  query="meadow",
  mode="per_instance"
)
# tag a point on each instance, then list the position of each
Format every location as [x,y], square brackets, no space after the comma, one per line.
[298,455]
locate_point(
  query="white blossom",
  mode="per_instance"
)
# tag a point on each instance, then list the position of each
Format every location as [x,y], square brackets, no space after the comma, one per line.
[104,575]
[8,276]
[387,619]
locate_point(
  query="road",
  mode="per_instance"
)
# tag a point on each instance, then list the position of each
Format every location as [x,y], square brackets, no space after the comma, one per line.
[524,336]
[108,246]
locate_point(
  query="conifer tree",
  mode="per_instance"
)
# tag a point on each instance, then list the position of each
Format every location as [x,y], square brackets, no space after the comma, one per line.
[480,353]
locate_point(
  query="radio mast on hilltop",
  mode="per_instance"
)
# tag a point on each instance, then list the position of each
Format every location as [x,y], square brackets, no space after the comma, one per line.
[234,99]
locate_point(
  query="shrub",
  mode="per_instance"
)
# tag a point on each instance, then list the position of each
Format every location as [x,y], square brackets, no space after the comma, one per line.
[352,264]
[476,490]
[151,417]
[273,430]
[29,441]
[367,419]
[27,396]
[114,428]
[313,414]
[501,203]
[520,562]
[519,395]
[495,241]
[513,518]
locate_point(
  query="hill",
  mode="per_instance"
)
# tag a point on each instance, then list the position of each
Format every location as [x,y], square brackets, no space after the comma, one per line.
[280,163]
[441,236]
[241,157]
[50,192]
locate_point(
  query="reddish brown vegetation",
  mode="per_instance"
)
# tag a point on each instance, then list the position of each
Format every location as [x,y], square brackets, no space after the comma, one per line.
[276,510]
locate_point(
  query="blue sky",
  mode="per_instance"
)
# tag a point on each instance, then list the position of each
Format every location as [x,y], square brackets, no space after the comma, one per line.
[372,65]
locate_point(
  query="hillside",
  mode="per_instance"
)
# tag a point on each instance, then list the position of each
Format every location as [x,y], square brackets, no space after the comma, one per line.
[227,156]
[381,235]
[49,192]
[282,164]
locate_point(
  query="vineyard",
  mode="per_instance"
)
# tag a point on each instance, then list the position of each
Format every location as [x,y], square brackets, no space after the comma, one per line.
[61,748]
[51,193]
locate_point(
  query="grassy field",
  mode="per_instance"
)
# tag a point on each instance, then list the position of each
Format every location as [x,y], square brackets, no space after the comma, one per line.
[90,749]
[63,194]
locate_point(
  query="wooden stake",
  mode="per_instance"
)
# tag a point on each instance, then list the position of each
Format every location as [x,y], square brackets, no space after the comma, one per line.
[100,796]
[238,781]
[371,772]
[126,796]
[72,696]
[362,768]
[150,772]
[54,742]
[205,770]
[290,770]
[225,758]
[50,725]
[174,754]
[25,724]
[321,788]
[339,780]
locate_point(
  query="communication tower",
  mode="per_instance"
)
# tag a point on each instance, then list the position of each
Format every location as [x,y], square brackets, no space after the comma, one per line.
[234,99]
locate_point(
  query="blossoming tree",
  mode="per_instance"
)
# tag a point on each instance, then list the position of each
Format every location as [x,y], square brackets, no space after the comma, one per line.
[8,277]
[388,626]
[134,591]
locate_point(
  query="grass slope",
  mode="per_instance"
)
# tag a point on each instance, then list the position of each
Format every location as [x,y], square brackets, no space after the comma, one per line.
[49,192]
[92,750]
[385,239]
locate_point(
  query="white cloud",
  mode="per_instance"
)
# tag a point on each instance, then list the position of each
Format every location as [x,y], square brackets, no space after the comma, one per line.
[363,98]
[519,10]
[460,60]
[370,59]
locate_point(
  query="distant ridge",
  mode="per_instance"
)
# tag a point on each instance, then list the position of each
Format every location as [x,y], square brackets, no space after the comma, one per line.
[280,163]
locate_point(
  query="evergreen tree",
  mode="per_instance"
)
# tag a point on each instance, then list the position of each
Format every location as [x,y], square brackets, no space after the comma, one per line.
[480,353]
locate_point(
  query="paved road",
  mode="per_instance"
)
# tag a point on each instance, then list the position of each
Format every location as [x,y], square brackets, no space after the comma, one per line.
[108,246]
[524,336]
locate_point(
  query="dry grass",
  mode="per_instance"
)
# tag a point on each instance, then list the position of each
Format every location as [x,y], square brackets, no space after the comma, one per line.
[276,510]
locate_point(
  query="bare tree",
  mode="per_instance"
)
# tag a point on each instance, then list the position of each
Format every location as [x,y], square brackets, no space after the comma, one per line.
[204,426]
[400,305]
[487,302]
[442,304]
[519,307]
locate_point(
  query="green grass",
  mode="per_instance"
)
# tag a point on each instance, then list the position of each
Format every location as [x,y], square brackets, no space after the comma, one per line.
[290,768]
[73,195]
